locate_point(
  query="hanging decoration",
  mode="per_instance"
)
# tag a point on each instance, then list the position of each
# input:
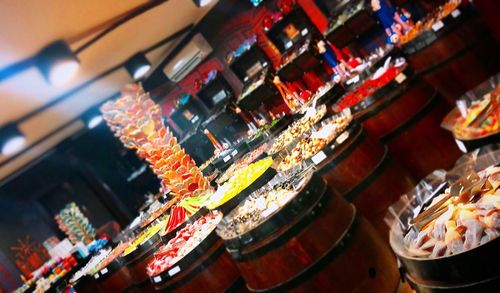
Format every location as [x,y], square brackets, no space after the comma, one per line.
[75,225]
[29,255]
[137,121]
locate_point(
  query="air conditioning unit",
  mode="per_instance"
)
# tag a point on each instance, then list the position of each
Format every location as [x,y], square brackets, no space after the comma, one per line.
[188,58]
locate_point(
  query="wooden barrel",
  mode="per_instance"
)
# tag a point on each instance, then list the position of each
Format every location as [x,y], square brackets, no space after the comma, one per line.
[407,117]
[137,260]
[113,278]
[472,270]
[315,243]
[456,58]
[362,171]
[207,268]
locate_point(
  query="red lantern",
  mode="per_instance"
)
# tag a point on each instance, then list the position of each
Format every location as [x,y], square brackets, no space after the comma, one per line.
[267,23]
[285,6]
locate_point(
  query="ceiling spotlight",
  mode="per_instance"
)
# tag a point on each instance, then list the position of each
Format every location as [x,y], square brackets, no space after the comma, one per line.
[57,63]
[94,121]
[137,66]
[11,139]
[201,3]
[92,117]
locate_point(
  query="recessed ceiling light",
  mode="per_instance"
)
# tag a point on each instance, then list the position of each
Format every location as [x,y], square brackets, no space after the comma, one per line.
[94,121]
[201,3]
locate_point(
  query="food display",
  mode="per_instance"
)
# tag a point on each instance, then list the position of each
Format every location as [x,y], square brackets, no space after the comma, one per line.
[144,236]
[177,216]
[315,142]
[381,78]
[481,118]
[349,9]
[251,87]
[193,204]
[159,212]
[255,210]
[263,129]
[92,265]
[305,148]
[238,182]
[465,216]
[293,54]
[259,206]
[320,92]
[137,121]
[45,277]
[426,24]
[234,168]
[294,131]
[184,242]
[209,161]
[254,155]
[242,163]
[112,255]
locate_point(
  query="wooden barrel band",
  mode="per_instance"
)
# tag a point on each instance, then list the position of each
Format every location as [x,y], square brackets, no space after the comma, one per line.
[413,120]
[353,193]
[335,250]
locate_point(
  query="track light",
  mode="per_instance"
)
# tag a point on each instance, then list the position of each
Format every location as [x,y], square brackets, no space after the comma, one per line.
[201,3]
[94,121]
[92,117]
[137,66]
[11,139]
[57,63]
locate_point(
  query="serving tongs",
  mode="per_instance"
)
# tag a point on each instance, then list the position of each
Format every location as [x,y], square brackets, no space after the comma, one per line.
[463,191]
